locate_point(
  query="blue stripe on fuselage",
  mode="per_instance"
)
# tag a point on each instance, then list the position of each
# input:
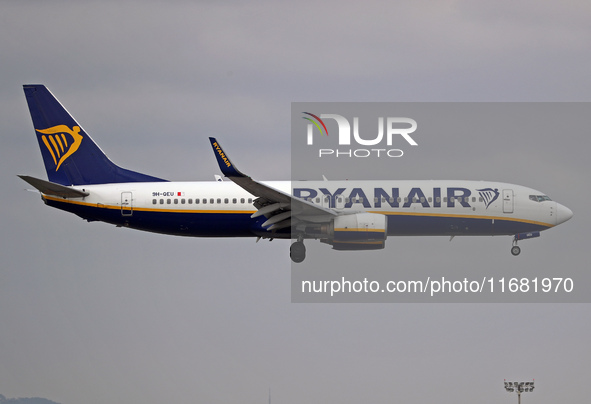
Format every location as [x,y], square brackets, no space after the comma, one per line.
[417,225]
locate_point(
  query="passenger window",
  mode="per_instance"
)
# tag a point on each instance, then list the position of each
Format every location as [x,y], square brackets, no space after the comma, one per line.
[234,201]
[176,201]
[168,201]
[219,201]
[161,201]
[154,201]
[249,200]
[241,200]
[182,201]
[211,200]
[226,200]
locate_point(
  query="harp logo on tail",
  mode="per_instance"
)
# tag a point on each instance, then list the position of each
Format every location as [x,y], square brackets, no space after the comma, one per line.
[61,142]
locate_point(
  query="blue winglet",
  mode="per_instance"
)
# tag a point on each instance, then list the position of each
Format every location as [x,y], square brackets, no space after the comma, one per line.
[228,169]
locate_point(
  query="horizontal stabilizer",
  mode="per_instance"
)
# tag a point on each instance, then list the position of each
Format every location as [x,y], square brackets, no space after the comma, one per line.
[51,188]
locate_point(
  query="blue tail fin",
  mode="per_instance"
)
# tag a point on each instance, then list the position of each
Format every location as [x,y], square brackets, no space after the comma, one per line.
[70,155]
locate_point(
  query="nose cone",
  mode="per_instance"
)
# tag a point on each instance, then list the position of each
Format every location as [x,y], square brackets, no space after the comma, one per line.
[562,213]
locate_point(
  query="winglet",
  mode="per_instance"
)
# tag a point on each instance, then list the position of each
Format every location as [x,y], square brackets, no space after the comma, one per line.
[228,169]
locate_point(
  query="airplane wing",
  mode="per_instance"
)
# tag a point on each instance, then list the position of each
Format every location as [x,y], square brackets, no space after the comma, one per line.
[280,208]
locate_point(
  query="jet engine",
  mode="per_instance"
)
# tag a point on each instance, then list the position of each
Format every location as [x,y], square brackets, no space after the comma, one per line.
[360,231]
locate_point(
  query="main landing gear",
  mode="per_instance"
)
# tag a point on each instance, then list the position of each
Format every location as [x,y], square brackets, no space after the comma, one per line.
[297,251]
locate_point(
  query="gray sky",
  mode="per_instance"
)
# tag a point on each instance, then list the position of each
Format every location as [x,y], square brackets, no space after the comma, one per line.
[92,313]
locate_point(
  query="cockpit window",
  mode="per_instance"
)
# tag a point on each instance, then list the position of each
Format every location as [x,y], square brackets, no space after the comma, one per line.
[539,198]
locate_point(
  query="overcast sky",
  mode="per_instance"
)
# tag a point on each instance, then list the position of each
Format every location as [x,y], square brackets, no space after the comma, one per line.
[90,313]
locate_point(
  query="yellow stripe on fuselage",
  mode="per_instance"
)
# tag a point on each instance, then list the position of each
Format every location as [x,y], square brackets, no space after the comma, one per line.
[360,229]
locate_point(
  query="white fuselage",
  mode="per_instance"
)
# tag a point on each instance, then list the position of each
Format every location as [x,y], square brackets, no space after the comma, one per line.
[221,208]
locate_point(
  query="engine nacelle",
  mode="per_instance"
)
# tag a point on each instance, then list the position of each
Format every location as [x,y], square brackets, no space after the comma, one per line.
[361,231]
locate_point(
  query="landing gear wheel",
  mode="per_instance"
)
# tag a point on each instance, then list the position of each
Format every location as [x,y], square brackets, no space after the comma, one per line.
[515,250]
[297,252]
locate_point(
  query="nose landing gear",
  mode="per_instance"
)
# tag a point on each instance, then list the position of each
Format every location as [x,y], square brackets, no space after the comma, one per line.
[515,250]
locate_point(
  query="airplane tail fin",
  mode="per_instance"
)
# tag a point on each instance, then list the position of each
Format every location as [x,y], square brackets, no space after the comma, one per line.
[70,156]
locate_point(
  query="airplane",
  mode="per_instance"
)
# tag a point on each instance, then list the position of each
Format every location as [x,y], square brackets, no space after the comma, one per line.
[347,215]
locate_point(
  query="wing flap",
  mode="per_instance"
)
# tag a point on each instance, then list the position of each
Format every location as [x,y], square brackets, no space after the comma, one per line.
[272,207]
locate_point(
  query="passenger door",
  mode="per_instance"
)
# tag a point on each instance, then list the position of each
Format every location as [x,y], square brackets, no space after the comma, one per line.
[126,204]
[507,201]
